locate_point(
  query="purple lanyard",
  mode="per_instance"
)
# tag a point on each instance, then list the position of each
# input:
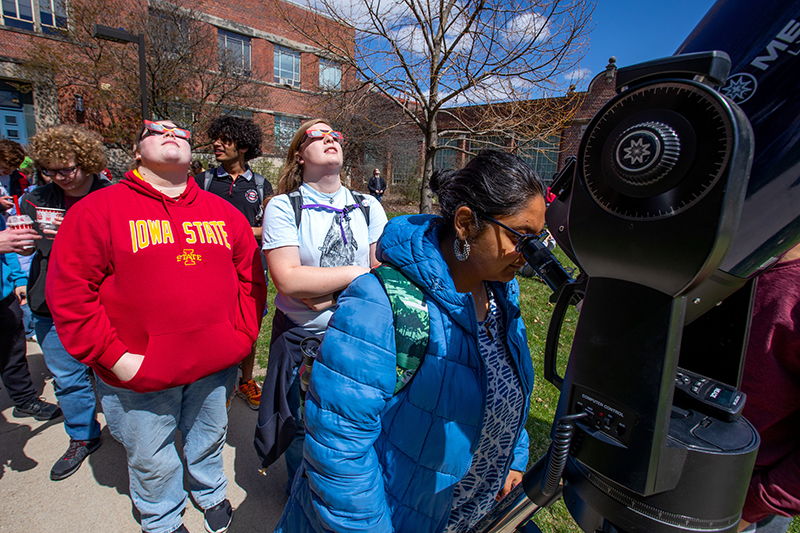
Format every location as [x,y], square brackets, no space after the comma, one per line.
[344,213]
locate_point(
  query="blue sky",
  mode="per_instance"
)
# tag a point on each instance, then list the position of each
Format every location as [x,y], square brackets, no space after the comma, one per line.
[637,31]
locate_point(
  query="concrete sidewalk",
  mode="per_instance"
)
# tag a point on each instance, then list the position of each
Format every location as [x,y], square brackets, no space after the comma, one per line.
[96,499]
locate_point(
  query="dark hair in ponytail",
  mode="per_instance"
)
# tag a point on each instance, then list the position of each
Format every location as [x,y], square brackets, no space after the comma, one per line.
[493,183]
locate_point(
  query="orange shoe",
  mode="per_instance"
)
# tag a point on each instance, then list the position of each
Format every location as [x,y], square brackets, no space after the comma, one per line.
[251,392]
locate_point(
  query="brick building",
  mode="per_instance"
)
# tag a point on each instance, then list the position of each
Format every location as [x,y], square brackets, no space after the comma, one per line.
[288,71]
[546,155]
[601,90]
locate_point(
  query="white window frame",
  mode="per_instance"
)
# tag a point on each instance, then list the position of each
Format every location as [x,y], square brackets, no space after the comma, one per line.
[279,73]
[52,10]
[228,40]
[21,22]
[330,75]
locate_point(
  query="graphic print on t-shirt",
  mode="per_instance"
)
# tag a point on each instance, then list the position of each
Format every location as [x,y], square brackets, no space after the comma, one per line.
[335,250]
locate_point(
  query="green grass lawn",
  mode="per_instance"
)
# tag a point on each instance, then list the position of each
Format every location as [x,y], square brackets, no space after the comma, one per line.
[536,312]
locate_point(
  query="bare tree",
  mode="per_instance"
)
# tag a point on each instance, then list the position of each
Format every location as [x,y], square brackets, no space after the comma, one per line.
[375,128]
[432,58]
[188,78]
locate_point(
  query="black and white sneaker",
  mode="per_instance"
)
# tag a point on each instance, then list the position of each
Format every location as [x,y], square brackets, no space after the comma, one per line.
[219,517]
[38,409]
[71,461]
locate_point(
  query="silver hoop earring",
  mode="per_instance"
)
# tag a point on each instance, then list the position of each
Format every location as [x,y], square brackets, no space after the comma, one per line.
[461,251]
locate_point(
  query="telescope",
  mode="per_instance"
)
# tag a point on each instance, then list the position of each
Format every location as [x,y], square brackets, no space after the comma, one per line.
[684,189]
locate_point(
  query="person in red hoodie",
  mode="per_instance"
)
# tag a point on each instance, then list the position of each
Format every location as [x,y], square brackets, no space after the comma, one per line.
[157,285]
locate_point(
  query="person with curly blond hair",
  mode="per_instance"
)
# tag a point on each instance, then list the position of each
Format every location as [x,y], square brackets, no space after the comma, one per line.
[72,158]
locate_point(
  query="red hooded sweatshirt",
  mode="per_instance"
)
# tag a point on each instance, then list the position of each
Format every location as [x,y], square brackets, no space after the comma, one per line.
[177,280]
[772,383]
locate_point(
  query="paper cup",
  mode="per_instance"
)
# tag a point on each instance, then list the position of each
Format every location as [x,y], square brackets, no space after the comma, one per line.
[22,225]
[46,215]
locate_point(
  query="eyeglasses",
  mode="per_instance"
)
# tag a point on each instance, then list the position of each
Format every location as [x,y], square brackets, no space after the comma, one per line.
[63,172]
[160,129]
[319,134]
[522,238]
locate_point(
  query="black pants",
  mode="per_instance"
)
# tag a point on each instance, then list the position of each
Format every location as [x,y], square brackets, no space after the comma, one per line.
[13,364]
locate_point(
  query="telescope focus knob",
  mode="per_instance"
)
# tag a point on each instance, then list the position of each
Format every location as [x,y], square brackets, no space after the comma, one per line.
[645,153]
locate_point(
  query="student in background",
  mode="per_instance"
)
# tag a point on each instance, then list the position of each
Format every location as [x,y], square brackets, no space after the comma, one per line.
[71,158]
[16,376]
[12,181]
[236,141]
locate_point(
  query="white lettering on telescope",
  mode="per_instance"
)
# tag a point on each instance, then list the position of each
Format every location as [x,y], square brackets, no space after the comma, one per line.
[601,404]
[787,36]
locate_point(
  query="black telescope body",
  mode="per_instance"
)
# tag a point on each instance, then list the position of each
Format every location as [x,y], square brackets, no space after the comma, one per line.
[686,186]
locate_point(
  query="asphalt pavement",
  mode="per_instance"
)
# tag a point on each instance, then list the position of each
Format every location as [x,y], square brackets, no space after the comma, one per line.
[96,498]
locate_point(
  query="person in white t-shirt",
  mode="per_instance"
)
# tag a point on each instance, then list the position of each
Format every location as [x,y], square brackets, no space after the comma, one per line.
[313,260]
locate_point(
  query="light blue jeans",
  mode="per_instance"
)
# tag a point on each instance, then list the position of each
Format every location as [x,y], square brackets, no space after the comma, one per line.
[145,424]
[73,385]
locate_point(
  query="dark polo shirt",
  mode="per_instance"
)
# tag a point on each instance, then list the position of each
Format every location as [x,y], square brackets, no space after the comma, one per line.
[242,193]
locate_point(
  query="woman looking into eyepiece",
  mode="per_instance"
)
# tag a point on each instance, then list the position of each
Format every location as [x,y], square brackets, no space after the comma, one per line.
[439,453]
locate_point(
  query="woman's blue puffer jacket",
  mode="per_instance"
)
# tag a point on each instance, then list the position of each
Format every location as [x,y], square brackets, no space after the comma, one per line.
[377,462]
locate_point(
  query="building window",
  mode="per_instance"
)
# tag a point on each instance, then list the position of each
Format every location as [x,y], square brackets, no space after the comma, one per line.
[18,14]
[285,128]
[405,168]
[330,75]
[542,156]
[446,158]
[486,143]
[287,66]
[234,51]
[53,16]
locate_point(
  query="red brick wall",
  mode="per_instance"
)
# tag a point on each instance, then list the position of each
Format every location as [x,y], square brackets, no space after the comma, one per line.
[264,16]
[601,90]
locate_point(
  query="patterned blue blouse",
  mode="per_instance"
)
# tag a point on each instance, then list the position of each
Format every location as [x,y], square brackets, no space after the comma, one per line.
[474,495]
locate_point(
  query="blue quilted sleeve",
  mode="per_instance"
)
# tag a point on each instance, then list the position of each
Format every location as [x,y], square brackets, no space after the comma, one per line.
[352,380]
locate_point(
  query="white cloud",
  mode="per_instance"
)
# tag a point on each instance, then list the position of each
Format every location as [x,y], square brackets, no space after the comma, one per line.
[577,76]
[493,89]
[522,27]
[410,39]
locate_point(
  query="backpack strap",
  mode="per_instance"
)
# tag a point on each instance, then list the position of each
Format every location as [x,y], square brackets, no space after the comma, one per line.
[296,199]
[211,172]
[412,322]
[259,186]
[207,177]
[362,203]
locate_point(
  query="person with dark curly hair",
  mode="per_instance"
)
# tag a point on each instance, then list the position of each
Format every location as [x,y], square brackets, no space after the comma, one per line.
[12,181]
[236,141]
[72,158]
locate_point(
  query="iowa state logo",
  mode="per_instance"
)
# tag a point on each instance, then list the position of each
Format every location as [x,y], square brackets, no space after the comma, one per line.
[189,258]
[146,233]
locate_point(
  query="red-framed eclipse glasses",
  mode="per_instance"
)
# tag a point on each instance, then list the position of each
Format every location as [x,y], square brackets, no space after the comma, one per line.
[319,134]
[160,129]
